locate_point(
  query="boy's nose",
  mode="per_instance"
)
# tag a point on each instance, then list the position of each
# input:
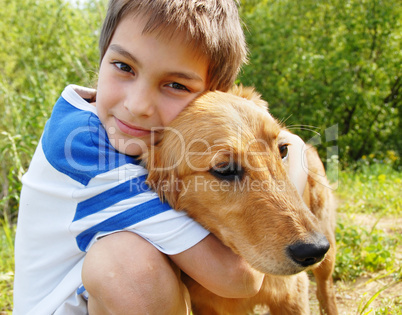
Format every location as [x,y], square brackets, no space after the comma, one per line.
[139,102]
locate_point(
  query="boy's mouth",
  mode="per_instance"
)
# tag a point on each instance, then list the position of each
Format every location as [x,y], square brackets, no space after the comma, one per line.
[131,130]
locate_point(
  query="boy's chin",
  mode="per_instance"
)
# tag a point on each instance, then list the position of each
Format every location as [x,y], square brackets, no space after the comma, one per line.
[132,147]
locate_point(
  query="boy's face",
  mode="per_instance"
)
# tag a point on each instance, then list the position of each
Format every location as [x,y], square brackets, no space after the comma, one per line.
[144,82]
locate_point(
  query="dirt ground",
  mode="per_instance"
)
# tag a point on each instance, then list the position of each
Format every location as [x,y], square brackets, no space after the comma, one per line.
[351,295]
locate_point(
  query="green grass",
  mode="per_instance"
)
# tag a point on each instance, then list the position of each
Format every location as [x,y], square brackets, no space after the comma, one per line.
[372,186]
[371,189]
[375,190]
[389,306]
[7,234]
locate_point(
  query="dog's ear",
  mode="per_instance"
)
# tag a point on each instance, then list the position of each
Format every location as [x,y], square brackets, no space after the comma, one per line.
[162,177]
[250,94]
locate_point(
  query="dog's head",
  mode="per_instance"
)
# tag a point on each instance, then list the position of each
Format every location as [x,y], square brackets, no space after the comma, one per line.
[221,161]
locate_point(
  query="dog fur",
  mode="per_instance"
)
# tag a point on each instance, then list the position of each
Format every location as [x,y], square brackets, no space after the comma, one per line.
[220,162]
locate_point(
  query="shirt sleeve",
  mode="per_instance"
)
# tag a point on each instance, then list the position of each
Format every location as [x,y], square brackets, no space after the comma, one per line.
[171,232]
[120,200]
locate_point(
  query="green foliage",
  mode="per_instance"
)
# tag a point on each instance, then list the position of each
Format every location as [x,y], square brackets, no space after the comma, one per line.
[322,63]
[7,235]
[46,45]
[361,251]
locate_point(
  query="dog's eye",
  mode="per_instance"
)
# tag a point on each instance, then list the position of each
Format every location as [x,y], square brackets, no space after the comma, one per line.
[227,171]
[283,150]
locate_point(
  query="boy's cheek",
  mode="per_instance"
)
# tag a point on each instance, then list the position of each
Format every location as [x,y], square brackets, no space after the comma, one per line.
[173,110]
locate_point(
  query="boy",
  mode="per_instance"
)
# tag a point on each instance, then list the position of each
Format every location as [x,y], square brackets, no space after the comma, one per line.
[91,237]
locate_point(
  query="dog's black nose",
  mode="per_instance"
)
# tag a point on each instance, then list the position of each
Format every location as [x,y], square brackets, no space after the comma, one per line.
[310,252]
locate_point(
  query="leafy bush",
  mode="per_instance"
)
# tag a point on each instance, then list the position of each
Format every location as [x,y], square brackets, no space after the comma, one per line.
[325,63]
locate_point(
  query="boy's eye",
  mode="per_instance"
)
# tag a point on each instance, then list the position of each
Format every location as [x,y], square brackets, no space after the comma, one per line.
[123,66]
[178,86]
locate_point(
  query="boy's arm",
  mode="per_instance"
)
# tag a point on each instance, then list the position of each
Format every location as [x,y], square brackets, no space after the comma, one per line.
[217,268]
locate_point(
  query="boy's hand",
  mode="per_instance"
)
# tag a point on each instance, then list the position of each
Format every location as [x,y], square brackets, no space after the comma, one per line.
[218,269]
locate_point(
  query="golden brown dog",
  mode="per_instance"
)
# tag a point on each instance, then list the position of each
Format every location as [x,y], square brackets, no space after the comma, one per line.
[221,161]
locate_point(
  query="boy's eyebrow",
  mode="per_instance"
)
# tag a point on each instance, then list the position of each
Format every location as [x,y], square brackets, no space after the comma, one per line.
[120,50]
[185,75]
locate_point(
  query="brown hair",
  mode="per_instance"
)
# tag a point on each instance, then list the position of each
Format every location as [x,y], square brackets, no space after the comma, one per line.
[212,27]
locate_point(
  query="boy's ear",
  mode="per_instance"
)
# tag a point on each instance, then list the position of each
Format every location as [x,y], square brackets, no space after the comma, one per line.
[162,177]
